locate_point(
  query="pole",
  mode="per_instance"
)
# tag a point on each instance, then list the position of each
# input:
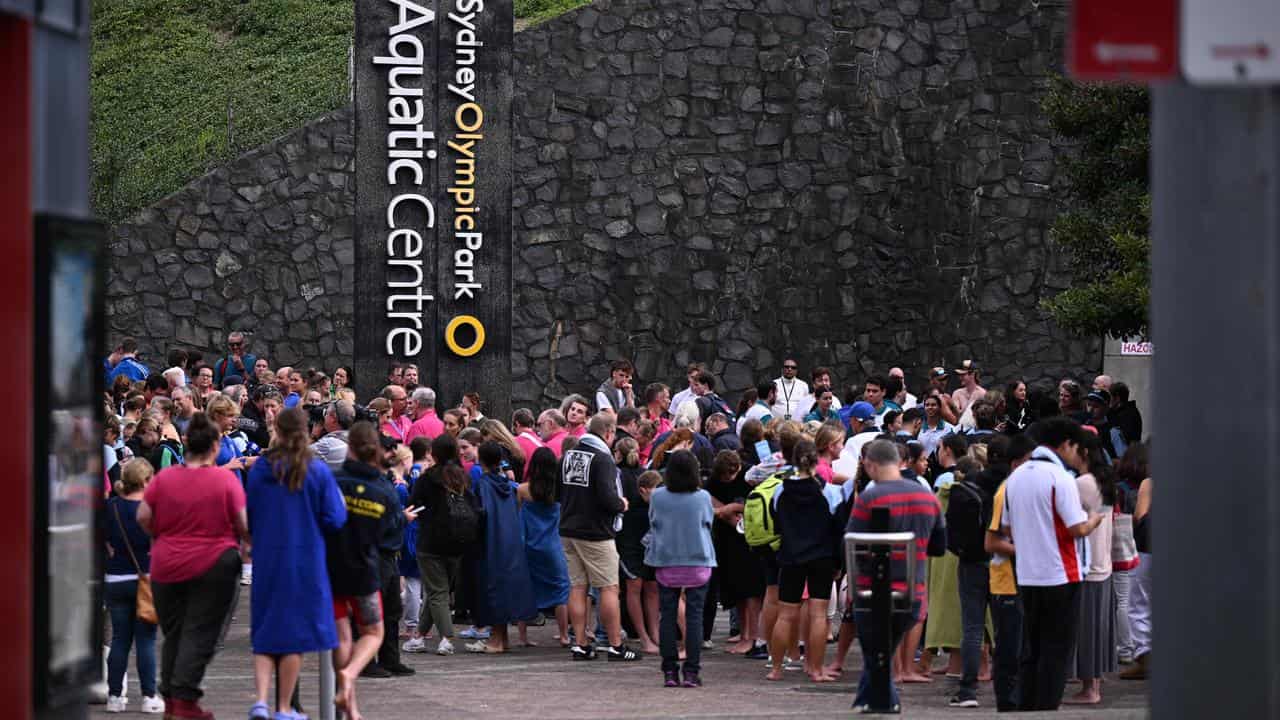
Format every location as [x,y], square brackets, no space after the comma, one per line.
[1216,325]
[324,704]
[881,612]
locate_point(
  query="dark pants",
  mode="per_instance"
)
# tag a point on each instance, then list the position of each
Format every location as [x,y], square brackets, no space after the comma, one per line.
[1006,618]
[191,616]
[973,581]
[875,698]
[669,630]
[1050,617]
[712,603]
[392,610]
[126,631]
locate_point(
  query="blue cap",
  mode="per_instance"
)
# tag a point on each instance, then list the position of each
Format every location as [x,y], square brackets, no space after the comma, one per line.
[863,411]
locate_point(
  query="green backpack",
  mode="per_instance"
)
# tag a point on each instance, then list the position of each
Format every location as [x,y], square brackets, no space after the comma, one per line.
[757,513]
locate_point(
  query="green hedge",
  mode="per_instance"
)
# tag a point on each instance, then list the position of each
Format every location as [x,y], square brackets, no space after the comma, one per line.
[182,86]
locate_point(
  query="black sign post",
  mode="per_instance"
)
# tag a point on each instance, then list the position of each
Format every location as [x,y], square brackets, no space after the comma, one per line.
[433,195]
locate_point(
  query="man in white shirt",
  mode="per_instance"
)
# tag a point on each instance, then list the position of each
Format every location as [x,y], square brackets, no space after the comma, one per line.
[904,399]
[1044,518]
[691,374]
[793,393]
[862,430]
[762,409]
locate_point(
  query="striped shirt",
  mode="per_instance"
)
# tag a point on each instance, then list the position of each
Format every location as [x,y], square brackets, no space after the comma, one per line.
[912,509]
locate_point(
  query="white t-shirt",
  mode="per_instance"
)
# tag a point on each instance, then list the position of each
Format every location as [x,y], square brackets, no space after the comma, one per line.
[792,395]
[1041,501]
[847,463]
[680,398]
[931,436]
[757,411]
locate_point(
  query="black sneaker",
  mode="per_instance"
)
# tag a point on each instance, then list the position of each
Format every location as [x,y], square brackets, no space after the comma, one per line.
[375,671]
[400,670]
[622,653]
[961,700]
[691,679]
[759,651]
[583,652]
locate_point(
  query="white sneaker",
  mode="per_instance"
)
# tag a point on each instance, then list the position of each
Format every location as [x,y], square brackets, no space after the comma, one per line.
[414,645]
[117,704]
[445,647]
[152,705]
[246,575]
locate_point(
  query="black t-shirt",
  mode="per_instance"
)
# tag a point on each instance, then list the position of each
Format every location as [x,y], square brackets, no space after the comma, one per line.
[727,493]
[635,519]
[352,552]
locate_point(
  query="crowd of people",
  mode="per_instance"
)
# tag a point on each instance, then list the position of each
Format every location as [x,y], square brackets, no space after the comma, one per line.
[376,526]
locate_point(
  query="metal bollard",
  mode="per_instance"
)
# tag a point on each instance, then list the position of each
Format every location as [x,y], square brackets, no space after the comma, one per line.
[881,599]
[324,705]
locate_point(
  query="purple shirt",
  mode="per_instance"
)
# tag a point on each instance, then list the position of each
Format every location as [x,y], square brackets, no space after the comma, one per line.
[683,576]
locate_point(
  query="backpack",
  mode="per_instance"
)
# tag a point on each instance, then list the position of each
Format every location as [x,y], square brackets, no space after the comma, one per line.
[968,513]
[757,514]
[456,526]
[711,404]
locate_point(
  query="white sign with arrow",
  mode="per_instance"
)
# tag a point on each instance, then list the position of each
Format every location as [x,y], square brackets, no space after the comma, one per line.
[1231,42]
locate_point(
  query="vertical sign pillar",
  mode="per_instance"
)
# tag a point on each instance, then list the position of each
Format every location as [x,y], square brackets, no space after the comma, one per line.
[475,218]
[433,195]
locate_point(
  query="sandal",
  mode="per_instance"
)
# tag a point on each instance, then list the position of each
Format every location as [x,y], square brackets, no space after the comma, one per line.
[259,711]
[481,647]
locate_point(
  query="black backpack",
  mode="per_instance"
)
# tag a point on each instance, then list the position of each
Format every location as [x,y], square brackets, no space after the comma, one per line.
[456,527]
[968,513]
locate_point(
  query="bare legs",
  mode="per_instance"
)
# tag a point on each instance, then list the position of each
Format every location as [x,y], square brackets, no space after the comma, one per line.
[287,667]
[351,658]
[578,614]
[636,607]
[562,622]
[749,616]
[1090,693]
[783,636]
[816,642]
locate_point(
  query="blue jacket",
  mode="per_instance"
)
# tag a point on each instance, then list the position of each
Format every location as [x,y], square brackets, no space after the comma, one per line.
[680,530]
[130,368]
[225,367]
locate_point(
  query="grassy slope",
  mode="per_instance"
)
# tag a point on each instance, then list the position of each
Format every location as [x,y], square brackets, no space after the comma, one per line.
[164,73]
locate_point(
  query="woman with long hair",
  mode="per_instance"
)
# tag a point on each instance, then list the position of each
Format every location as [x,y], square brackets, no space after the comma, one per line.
[641,589]
[1017,414]
[512,453]
[738,580]
[503,591]
[438,553]
[195,514]
[343,377]
[293,501]
[1130,472]
[540,514]
[679,439]
[1095,631]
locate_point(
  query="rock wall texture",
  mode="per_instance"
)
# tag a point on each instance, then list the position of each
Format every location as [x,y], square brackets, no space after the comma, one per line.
[858,183]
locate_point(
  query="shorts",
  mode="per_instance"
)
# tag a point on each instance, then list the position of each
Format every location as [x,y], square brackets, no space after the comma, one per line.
[633,567]
[816,573]
[365,609]
[591,562]
[769,557]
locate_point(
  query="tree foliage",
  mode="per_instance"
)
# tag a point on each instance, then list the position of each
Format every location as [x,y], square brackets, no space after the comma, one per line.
[1107,230]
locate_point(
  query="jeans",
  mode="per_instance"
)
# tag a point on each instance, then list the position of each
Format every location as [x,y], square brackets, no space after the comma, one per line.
[1140,606]
[1120,582]
[1050,618]
[191,616]
[868,696]
[437,573]
[668,628]
[1006,617]
[412,599]
[392,610]
[127,630]
[973,581]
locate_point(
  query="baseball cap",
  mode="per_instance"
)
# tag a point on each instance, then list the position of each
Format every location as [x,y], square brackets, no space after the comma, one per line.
[1101,396]
[938,372]
[862,410]
[966,367]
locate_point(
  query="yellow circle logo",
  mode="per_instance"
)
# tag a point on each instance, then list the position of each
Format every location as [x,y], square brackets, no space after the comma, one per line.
[451,332]
[359,488]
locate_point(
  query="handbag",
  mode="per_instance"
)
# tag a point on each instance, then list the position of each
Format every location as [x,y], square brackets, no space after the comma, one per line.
[146,607]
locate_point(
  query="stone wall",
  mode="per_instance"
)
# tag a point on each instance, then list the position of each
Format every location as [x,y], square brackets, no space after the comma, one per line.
[860,183]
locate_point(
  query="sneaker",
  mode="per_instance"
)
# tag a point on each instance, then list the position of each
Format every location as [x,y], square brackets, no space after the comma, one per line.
[246,575]
[414,645]
[400,670]
[759,652]
[960,700]
[670,678]
[445,647]
[259,711]
[474,633]
[622,653]
[583,652]
[117,704]
[691,679]
[152,705]
[375,671]
[707,645]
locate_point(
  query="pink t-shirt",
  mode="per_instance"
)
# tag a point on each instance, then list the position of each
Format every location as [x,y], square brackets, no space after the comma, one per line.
[683,576]
[193,514]
[397,428]
[428,426]
[825,471]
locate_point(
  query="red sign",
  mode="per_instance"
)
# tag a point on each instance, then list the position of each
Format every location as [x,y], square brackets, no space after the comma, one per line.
[1123,40]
